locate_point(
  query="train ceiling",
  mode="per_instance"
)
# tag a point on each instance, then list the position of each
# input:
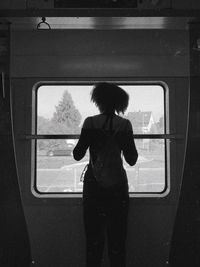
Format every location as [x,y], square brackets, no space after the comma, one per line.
[99,14]
[102,23]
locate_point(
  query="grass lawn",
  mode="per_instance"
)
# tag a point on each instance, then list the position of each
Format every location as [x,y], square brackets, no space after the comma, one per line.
[62,173]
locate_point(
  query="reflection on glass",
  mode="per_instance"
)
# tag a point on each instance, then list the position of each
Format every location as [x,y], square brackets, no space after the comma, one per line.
[57,171]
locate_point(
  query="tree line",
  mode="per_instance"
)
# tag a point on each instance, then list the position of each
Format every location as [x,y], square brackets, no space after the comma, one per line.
[66,120]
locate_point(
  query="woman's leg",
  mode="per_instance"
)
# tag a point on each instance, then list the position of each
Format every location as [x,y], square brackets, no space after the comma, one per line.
[94,222]
[117,232]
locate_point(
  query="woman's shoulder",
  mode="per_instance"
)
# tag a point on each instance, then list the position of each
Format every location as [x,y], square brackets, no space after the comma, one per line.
[121,119]
[91,120]
[96,121]
[122,123]
[87,123]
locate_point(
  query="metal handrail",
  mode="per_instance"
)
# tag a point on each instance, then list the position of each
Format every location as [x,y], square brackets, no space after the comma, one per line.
[76,136]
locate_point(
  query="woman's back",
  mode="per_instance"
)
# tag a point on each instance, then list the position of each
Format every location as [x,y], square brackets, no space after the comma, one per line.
[118,123]
[93,137]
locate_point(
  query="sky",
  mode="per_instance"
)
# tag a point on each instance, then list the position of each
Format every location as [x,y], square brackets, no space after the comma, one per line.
[142,97]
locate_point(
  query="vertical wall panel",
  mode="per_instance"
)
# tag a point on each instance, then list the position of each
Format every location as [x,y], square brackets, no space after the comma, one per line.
[14,245]
[186,237]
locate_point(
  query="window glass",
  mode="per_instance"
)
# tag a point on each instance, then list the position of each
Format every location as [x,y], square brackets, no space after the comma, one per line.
[61,109]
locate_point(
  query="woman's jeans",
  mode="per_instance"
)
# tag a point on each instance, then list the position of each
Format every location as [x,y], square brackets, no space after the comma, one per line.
[105,218]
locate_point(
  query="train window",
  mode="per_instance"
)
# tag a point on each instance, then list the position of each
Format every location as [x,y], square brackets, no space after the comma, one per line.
[60,112]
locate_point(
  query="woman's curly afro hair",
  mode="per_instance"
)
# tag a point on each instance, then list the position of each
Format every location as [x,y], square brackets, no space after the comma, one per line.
[109,97]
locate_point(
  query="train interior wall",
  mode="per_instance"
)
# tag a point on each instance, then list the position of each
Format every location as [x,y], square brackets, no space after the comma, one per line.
[55,224]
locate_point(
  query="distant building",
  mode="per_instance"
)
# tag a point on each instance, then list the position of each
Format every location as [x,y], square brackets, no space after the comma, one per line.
[142,121]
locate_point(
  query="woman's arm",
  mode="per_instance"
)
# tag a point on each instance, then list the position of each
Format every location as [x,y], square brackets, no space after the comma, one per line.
[83,143]
[128,147]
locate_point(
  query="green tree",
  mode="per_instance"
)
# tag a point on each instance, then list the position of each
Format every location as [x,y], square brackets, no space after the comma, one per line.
[160,125]
[45,126]
[66,118]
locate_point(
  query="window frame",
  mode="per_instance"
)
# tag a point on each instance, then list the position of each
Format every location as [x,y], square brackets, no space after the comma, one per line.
[166,136]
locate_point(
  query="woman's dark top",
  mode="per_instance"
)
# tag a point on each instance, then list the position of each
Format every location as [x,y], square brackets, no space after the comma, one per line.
[92,137]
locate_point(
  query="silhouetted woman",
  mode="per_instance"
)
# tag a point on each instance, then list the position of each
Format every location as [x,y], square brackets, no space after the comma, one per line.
[106,209]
